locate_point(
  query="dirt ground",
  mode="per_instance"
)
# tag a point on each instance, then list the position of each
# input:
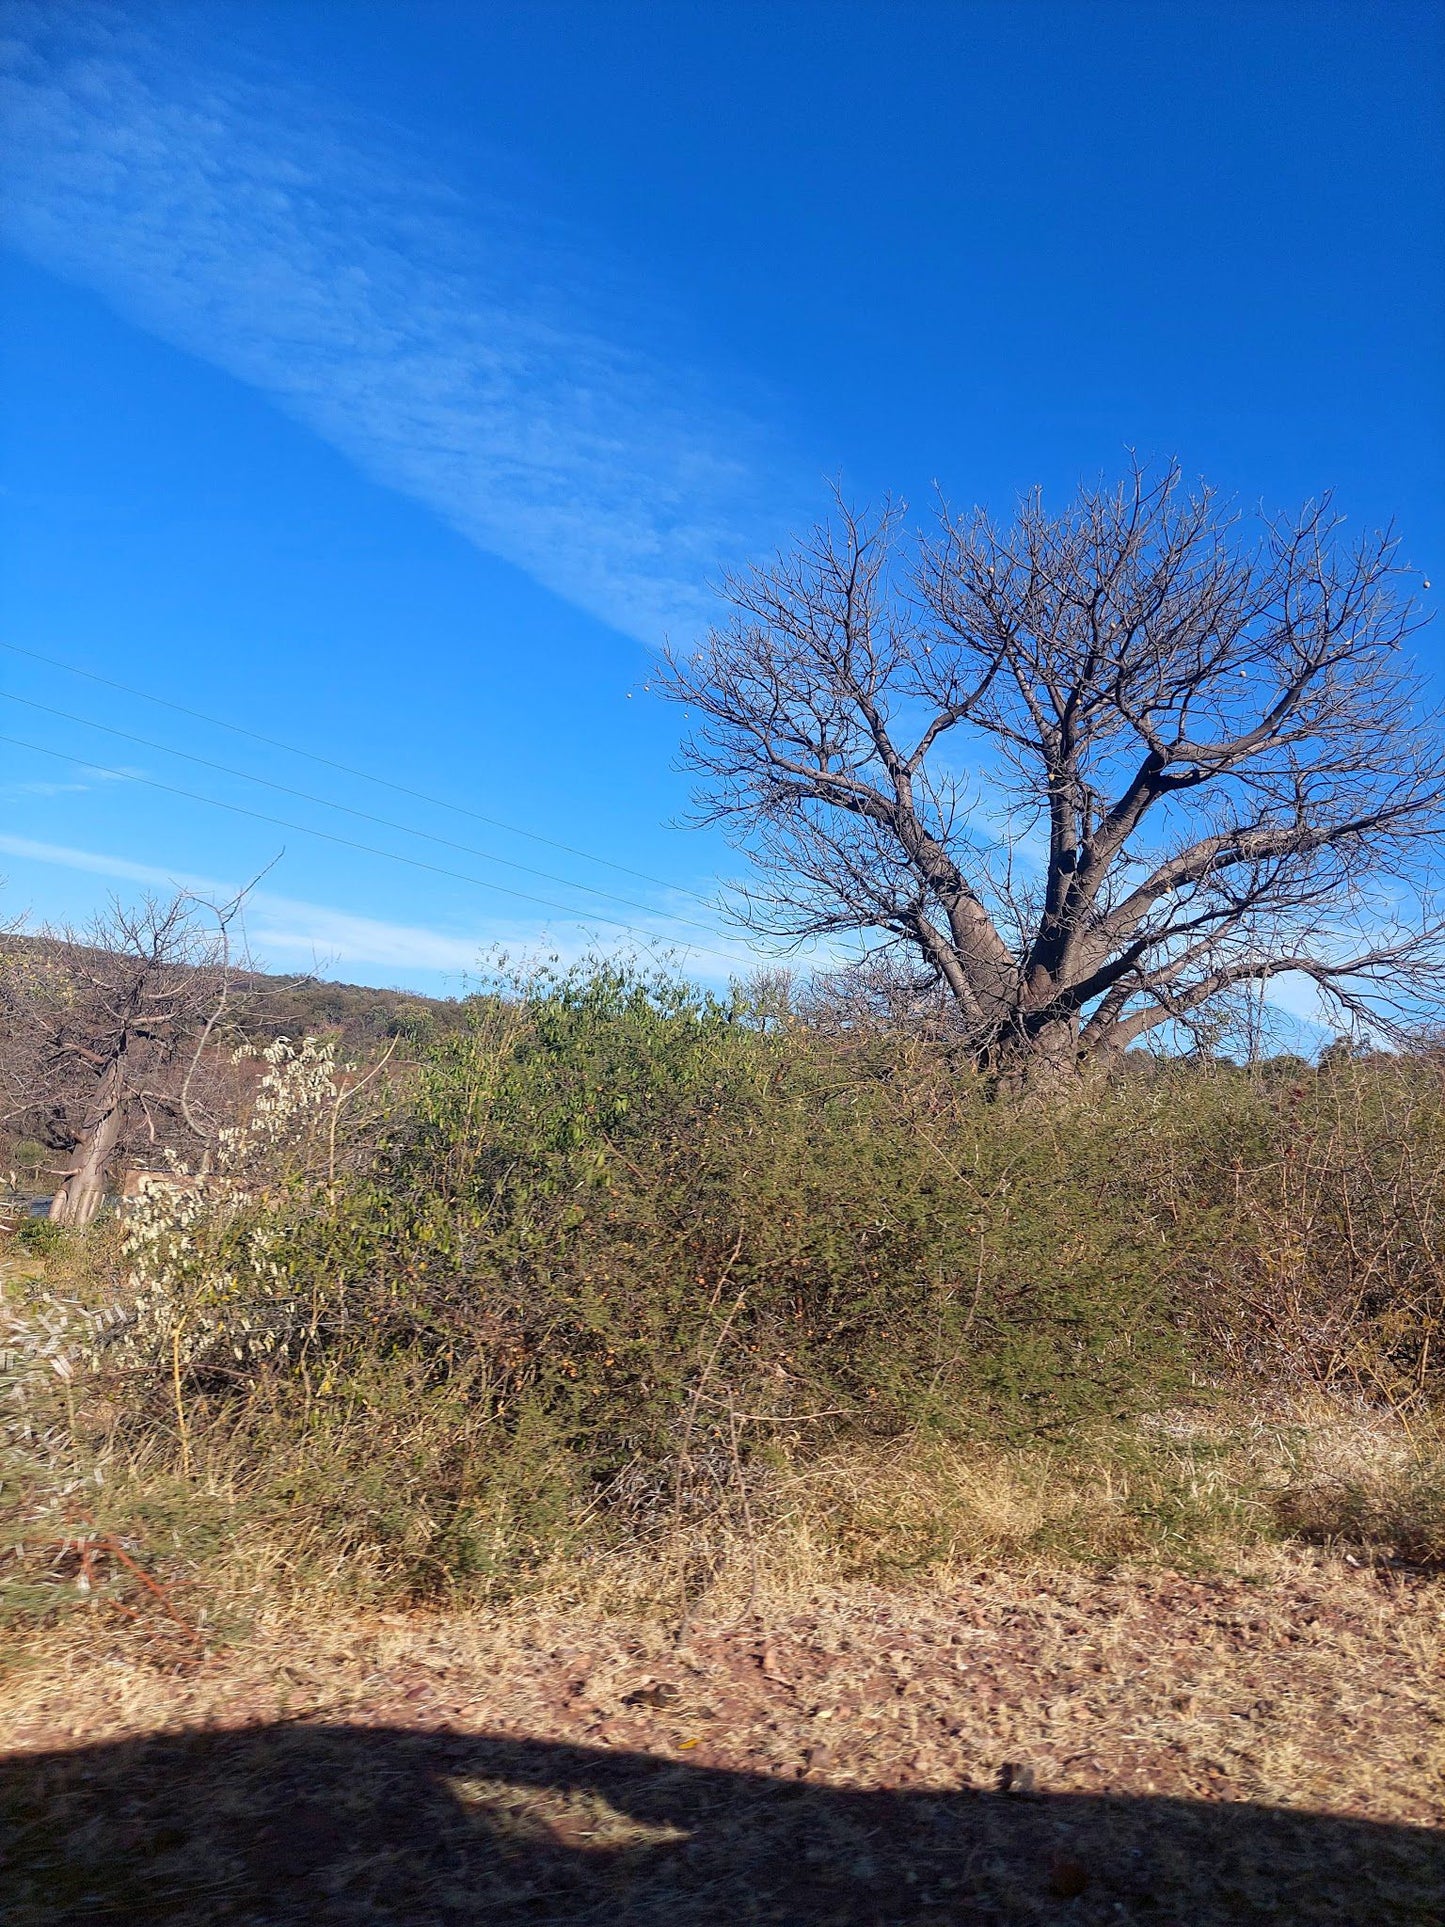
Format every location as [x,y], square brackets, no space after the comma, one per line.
[1013,1747]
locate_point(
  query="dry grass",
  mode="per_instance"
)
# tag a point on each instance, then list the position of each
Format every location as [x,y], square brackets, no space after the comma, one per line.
[1201,1748]
[1207,1648]
[1197,1489]
[1189,1487]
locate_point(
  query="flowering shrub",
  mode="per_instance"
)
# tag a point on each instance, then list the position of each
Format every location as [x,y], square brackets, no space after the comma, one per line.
[43,1464]
[205,1286]
[41,1338]
[205,1247]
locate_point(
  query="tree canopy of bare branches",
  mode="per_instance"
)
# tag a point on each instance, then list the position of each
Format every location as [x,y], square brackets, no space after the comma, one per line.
[1093,772]
[106,1035]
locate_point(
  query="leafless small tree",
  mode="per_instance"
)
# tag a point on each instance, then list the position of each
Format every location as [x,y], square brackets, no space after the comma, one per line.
[1095,772]
[108,1033]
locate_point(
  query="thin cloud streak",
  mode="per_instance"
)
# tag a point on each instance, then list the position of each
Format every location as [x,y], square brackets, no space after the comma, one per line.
[96,776]
[291,927]
[120,869]
[436,342]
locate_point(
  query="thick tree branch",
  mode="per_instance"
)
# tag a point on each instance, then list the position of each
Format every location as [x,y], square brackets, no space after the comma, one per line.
[1217,728]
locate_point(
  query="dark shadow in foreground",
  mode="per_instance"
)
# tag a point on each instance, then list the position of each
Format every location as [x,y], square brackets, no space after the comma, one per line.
[294,1823]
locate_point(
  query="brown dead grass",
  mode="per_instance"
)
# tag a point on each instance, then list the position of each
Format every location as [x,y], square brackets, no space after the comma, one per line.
[799,1710]
[1141,1705]
[1306,1681]
[1194,1489]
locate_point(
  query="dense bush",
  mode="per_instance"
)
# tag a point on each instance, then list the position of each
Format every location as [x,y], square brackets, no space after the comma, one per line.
[638,1213]
[611,1247]
[624,1195]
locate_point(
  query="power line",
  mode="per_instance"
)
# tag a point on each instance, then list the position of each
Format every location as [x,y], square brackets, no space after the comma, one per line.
[365,816]
[350,843]
[347,769]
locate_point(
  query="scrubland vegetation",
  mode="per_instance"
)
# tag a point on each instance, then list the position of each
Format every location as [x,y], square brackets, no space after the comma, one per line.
[619,1293]
[596,1286]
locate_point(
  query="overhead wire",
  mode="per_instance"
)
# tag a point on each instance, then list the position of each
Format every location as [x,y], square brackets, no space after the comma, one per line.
[570,911]
[346,769]
[347,809]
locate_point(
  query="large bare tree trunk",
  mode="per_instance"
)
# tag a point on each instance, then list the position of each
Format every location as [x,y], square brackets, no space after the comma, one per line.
[1040,1061]
[81,1196]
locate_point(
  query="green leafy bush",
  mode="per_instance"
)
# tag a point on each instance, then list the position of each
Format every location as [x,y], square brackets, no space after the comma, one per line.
[609,1251]
[39,1235]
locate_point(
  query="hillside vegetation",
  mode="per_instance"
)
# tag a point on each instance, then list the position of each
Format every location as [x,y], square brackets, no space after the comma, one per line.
[70,1004]
[611,1284]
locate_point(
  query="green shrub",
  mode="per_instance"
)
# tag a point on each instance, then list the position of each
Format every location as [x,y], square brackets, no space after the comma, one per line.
[609,1248]
[39,1236]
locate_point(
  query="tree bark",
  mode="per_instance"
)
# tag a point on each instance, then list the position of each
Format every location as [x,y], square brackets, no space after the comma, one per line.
[81,1196]
[1042,1060]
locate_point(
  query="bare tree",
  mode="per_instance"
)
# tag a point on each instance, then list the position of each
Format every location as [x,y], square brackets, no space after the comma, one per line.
[108,1034]
[1095,772]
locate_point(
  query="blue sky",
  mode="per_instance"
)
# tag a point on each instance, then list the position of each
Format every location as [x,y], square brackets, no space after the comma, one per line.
[386,377]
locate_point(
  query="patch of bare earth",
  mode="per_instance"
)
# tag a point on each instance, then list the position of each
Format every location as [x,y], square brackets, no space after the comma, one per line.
[1017,1748]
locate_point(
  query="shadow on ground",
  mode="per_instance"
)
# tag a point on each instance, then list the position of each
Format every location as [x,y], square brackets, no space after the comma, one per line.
[293,1823]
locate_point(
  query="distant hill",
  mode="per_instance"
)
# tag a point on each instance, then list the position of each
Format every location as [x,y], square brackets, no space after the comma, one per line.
[266,1004]
[41,1109]
[273,1006]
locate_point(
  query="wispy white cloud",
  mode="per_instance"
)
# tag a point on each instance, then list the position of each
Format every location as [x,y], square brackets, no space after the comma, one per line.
[41,787]
[286,927]
[291,930]
[120,869]
[454,351]
[1298,997]
[282,928]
